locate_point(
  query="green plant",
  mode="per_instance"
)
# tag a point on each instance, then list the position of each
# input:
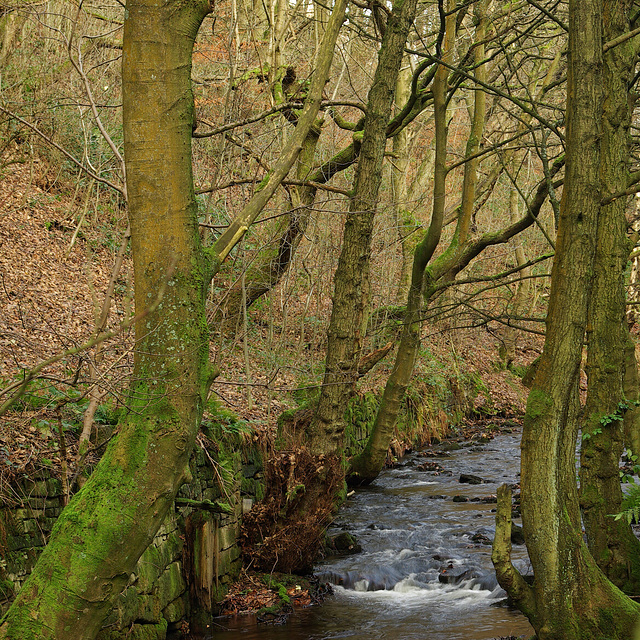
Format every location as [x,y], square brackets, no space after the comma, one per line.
[276,585]
[615,416]
[618,414]
[630,505]
[628,478]
[228,422]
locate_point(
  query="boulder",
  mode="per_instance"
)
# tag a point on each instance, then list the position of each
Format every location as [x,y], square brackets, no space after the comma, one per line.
[345,543]
[467,478]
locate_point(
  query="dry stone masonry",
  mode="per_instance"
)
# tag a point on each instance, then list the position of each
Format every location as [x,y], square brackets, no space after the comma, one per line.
[182,575]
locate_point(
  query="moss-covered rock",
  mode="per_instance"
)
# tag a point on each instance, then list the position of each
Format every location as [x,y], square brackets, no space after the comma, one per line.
[175,611]
[171,584]
[156,631]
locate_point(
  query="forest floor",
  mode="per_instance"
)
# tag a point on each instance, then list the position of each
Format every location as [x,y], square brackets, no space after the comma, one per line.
[58,246]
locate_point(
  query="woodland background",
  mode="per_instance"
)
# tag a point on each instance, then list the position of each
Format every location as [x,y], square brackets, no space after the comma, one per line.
[310,299]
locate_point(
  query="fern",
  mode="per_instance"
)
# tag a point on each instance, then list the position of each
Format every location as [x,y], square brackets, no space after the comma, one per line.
[630,505]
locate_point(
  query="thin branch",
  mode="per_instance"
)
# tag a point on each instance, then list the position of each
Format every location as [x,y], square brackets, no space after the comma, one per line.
[620,39]
[296,183]
[64,152]
[77,65]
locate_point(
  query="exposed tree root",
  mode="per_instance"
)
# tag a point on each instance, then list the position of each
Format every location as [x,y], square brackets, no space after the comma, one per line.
[285,531]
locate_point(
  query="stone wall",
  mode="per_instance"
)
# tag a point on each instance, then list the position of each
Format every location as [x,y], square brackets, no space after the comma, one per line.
[187,569]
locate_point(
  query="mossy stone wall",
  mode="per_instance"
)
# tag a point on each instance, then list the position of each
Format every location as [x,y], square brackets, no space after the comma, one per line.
[182,574]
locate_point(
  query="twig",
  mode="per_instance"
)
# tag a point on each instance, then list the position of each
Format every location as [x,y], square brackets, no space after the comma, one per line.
[63,151]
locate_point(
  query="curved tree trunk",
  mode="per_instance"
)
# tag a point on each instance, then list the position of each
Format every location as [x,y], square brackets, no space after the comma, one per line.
[571,598]
[101,534]
[351,294]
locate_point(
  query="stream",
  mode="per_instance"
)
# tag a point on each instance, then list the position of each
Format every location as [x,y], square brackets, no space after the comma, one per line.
[420,574]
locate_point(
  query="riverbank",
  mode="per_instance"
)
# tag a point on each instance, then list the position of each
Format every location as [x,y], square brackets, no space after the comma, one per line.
[271,599]
[425,570]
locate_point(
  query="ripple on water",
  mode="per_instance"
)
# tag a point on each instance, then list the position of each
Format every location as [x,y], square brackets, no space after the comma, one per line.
[392,590]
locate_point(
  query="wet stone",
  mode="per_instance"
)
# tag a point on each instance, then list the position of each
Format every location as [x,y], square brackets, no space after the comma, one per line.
[453,575]
[467,478]
[345,543]
[517,535]
[480,538]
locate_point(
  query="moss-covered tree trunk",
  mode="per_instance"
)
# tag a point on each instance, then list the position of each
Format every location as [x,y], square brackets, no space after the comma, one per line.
[611,542]
[571,598]
[99,537]
[366,466]
[351,280]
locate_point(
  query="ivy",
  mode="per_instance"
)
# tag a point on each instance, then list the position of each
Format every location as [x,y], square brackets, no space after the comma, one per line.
[615,416]
[631,501]
[630,505]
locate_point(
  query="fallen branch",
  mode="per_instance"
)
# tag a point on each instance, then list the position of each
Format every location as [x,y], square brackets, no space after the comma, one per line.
[371,359]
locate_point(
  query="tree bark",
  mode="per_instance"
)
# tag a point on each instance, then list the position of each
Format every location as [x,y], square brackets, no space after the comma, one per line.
[101,534]
[571,598]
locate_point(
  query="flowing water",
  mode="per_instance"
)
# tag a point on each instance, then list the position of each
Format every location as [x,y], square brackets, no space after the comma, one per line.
[420,574]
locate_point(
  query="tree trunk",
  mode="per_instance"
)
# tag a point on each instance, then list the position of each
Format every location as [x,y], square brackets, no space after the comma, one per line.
[611,542]
[571,598]
[272,263]
[365,467]
[522,293]
[101,534]
[351,293]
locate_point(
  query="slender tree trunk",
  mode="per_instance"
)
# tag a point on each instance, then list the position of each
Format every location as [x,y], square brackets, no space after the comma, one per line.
[522,293]
[351,294]
[409,232]
[101,534]
[611,542]
[571,598]
[634,275]
[273,262]
[366,466]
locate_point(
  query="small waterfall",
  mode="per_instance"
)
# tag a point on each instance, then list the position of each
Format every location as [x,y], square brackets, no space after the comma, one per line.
[425,570]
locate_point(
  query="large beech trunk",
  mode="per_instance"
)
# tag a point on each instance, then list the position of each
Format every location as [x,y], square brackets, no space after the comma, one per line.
[99,537]
[571,598]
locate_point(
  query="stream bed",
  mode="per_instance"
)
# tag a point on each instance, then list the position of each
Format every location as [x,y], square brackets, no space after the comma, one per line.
[425,568]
